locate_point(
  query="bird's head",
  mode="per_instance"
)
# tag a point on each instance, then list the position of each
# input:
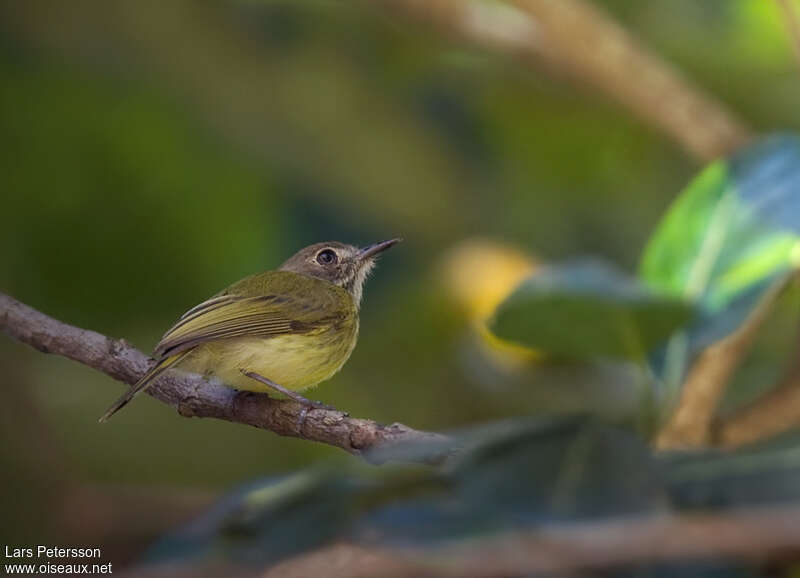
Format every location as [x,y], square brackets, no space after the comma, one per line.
[344,265]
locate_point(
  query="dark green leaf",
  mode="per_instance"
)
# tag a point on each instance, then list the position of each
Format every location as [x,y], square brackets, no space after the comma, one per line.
[562,468]
[588,309]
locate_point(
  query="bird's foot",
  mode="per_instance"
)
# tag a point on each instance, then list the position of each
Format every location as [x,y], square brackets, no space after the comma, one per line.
[307,404]
[317,405]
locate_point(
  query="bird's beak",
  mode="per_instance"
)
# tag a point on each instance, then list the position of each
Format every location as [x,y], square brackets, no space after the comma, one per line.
[370,251]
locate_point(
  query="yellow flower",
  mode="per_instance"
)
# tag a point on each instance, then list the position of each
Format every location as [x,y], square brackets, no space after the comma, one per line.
[478,275]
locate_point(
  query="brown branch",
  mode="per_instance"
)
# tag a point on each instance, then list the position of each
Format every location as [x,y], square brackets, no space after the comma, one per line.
[691,423]
[192,395]
[751,535]
[748,534]
[579,40]
[755,533]
[792,25]
[769,415]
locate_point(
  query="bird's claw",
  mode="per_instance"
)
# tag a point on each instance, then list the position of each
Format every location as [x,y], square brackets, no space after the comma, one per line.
[308,405]
[320,405]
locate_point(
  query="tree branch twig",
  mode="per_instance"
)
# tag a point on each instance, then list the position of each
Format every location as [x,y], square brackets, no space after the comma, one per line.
[792,25]
[769,415]
[748,533]
[577,40]
[752,535]
[690,425]
[192,395]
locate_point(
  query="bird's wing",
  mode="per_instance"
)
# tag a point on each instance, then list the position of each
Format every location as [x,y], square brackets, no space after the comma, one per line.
[226,316]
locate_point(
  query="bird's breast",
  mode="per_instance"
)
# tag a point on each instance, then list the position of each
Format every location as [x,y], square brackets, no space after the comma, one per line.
[296,361]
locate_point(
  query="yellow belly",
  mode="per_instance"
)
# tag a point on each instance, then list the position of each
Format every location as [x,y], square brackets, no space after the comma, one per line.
[296,362]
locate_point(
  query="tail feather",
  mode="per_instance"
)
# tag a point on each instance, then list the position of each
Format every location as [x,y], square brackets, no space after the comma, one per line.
[144,382]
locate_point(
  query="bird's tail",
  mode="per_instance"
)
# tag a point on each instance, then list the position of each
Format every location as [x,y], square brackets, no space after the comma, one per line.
[142,385]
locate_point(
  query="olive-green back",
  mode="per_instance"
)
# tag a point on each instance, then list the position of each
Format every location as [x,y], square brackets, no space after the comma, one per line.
[263,305]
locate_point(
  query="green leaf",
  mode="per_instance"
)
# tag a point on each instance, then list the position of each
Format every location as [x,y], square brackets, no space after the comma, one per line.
[562,467]
[588,309]
[730,234]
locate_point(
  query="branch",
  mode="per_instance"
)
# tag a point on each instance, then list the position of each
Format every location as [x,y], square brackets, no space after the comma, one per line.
[792,25]
[769,415]
[754,535]
[579,40]
[192,395]
[772,414]
[690,425]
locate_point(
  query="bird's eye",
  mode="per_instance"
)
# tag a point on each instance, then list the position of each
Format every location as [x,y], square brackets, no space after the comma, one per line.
[327,257]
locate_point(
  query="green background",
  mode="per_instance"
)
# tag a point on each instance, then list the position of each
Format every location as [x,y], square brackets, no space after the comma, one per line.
[152,154]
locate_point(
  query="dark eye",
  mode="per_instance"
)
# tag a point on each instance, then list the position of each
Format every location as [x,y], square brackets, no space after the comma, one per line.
[327,257]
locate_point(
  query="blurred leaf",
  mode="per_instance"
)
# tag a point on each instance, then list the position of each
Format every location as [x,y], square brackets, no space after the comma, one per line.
[270,520]
[296,513]
[563,468]
[506,476]
[730,234]
[588,309]
[519,472]
[766,473]
[267,521]
[509,474]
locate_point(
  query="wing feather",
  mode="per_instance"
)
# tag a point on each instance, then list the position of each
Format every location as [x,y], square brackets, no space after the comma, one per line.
[227,316]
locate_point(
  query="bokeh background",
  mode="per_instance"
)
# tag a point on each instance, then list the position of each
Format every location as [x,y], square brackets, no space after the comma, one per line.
[152,153]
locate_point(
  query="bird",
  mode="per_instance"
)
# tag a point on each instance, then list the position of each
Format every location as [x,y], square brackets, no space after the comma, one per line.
[281,331]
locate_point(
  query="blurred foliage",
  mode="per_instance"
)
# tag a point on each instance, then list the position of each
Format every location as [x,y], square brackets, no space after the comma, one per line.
[727,239]
[477,275]
[730,235]
[153,153]
[588,309]
[508,476]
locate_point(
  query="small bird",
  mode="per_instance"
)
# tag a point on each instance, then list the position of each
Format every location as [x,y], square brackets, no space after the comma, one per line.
[282,331]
